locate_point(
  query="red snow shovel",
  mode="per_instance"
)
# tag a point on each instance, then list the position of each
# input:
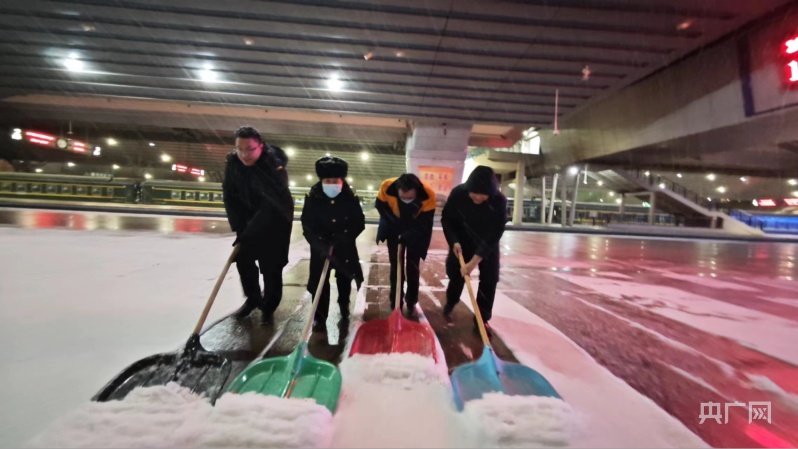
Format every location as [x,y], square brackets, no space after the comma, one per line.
[396,334]
[490,374]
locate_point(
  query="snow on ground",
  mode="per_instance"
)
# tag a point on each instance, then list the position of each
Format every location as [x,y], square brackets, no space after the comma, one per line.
[610,413]
[769,334]
[707,282]
[77,307]
[171,416]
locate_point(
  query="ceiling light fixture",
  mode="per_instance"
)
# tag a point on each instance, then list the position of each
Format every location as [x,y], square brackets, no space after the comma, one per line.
[792,182]
[152,144]
[111,141]
[678,175]
[334,83]
[721,189]
[115,167]
[249,41]
[711,177]
[70,164]
[364,156]
[685,24]
[88,27]
[147,176]
[290,151]
[73,64]
[166,158]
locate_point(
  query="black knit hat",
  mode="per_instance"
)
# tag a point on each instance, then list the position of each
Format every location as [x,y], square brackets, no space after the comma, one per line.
[482,180]
[331,167]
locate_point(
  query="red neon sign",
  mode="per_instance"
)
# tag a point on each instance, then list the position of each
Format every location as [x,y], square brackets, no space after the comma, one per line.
[790,49]
[791,201]
[80,147]
[39,138]
[766,203]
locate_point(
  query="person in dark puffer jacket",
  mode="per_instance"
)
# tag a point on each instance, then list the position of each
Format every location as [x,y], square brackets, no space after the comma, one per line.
[473,222]
[260,211]
[331,220]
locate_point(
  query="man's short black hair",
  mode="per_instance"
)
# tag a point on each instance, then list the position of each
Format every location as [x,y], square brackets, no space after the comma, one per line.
[248,132]
[409,181]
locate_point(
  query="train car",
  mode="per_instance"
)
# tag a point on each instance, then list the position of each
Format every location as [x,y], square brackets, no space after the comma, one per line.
[106,189]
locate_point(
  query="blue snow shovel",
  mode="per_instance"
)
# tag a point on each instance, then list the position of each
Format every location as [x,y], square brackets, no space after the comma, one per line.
[490,374]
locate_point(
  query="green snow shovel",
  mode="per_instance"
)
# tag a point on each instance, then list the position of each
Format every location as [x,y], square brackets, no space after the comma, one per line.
[202,371]
[490,374]
[297,375]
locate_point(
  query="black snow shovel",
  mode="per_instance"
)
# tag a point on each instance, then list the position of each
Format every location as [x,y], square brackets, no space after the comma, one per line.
[195,368]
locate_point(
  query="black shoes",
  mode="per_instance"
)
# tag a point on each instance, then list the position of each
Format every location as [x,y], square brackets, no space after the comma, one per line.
[247,308]
[447,314]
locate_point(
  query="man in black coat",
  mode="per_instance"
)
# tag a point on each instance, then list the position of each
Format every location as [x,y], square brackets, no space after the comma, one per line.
[473,221]
[407,209]
[261,212]
[331,220]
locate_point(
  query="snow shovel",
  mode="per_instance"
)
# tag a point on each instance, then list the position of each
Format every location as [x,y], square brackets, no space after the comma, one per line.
[396,334]
[203,372]
[490,374]
[297,375]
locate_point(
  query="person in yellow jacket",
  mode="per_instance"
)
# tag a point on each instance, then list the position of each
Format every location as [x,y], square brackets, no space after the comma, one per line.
[407,209]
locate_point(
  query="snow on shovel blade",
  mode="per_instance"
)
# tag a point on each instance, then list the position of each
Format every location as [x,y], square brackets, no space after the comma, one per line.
[203,372]
[489,374]
[298,375]
[396,334]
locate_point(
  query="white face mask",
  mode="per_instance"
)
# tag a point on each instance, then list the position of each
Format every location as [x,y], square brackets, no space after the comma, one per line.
[406,201]
[331,190]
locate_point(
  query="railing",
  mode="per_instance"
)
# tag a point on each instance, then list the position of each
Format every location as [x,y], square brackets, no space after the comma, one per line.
[662,183]
[767,223]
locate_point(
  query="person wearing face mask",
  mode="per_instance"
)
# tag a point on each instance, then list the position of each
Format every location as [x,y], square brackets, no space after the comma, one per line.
[407,209]
[473,222]
[260,211]
[331,220]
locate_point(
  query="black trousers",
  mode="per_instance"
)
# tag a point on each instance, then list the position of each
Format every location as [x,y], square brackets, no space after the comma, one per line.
[343,282]
[410,273]
[488,278]
[272,281]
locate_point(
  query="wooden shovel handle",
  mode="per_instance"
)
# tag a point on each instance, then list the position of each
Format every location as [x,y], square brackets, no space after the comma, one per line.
[474,304]
[215,291]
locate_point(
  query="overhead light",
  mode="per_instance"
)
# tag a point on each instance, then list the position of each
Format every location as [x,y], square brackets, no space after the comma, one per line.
[70,164]
[371,187]
[166,158]
[39,170]
[292,183]
[97,151]
[711,177]
[612,193]
[147,176]
[111,141]
[73,64]
[16,134]
[201,179]
[290,151]
[327,154]
[601,199]
[600,183]
[573,170]
[400,54]
[721,189]
[115,167]
[207,73]
[662,185]
[618,200]
[685,24]
[792,182]
[364,156]
[152,144]
[795,193]
[350,180]
[743,179]
[249,41]
[309,177]
[678,175]
[88,27]
[647,173]
[334,83]
[709,199]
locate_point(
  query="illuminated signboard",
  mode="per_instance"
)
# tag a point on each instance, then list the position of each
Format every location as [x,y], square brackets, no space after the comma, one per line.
[765,203]
[180,168]
[48,140]
[791,201]
[791,51]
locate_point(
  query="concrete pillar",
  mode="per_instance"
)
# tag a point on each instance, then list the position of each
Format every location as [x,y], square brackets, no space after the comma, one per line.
[564,200]
[520,182]
[652,201]
[543,200]
[436,154]
[553,195]
[622,208]
[573,201]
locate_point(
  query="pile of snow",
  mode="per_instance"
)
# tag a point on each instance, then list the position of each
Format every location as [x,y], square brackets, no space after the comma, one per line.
[520,421]
[172,416]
